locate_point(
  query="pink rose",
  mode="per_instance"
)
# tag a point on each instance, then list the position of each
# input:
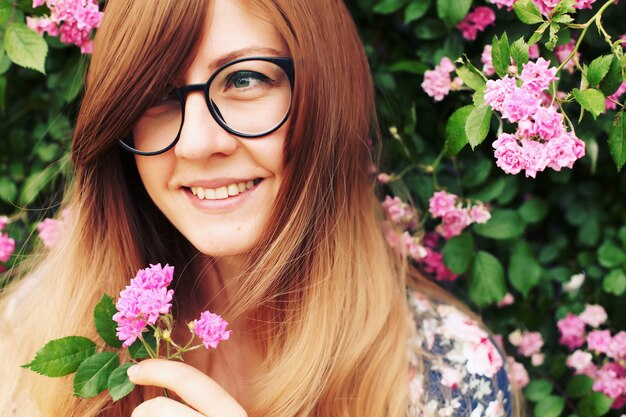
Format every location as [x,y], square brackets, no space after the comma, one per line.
[454,222]
[509,157]
[530,343]
[594,315]
[561,152]
[572,331]
[535,157]
[599,340]
[548,123]
[617,346]
[486,59]
[538,75]
[519,104]
[440,203]
[497,90]
[579,361]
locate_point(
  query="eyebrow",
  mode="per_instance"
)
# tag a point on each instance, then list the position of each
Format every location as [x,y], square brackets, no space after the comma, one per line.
[242,53]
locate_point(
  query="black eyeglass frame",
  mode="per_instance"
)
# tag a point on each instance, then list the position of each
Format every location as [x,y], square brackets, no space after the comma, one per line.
[286,64]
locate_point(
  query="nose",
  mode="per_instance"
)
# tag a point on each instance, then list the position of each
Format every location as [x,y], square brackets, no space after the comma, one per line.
[201,137]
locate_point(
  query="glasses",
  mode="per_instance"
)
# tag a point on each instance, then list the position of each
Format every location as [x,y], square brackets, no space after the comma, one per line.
[248,97]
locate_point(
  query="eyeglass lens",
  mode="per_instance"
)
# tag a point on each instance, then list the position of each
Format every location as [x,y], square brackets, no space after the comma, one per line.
[250,97]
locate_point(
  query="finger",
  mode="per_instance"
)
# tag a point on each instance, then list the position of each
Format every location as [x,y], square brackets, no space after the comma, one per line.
[163,407]
[193,386]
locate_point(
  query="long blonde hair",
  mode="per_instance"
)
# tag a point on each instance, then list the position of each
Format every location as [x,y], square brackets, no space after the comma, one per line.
[325,292]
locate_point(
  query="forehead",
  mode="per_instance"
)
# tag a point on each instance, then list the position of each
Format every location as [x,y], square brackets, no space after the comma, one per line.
[234,29]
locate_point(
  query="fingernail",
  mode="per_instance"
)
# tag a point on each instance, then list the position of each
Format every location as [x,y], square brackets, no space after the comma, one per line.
[132,371]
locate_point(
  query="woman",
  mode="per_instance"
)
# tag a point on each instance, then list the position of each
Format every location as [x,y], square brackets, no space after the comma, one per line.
[292,255]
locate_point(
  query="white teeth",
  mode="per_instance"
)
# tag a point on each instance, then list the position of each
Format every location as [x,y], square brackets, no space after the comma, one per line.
[233,190]
[221,193]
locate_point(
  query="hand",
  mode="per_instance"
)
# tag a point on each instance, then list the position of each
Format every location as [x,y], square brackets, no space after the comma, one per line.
[205,397]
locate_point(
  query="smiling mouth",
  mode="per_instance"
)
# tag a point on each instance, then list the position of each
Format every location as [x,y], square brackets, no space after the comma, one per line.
[224,192]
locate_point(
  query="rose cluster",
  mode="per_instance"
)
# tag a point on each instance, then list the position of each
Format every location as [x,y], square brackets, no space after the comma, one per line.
[147,299]
[399,231]
[603,359]
[541,140]
[476,21]
[544,6]
[432,263]
[455,217]
[72,20]
[438,83]
[143,301]
[529,345]
[7,244]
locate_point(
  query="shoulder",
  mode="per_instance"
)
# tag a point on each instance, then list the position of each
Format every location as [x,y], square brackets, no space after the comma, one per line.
[456,369]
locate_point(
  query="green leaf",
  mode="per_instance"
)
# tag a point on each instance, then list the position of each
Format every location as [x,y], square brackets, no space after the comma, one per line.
[524,270]
[388,6]
[591,100]
[119,385]
[613,78]
[25,47]
[477,125]
[47,152]
[615,282]
[578,386]
[598,69]
[430,29]
[501,54]
[538,33]
[458,253]
[471,78]
[5,12]
[504,224]
[8,190]
[452,11]
[519,52]
[527,12]
[36,183]
[617,140]
[410,66]
[553,36]
[92,376]
[486,280]
[103,318]
[476,172]
[416,10]
[137,349]
[550,406]
[538,389]
[456,138]
[491,191]
[564,6]
[595,404]
[534,210]
[61,357]
[610,255]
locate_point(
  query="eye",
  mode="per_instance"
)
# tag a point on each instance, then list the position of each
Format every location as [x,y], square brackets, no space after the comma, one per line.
[246,79]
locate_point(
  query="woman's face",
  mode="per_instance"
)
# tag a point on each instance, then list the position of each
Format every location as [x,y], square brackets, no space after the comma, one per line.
[209,161]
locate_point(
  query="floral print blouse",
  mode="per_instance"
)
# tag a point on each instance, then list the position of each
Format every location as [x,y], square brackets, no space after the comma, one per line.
[463,372]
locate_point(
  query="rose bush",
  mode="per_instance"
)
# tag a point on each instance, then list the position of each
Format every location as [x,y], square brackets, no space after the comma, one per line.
[503,142]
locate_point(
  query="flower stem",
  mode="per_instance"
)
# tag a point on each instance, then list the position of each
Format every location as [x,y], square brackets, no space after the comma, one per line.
[595,18]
